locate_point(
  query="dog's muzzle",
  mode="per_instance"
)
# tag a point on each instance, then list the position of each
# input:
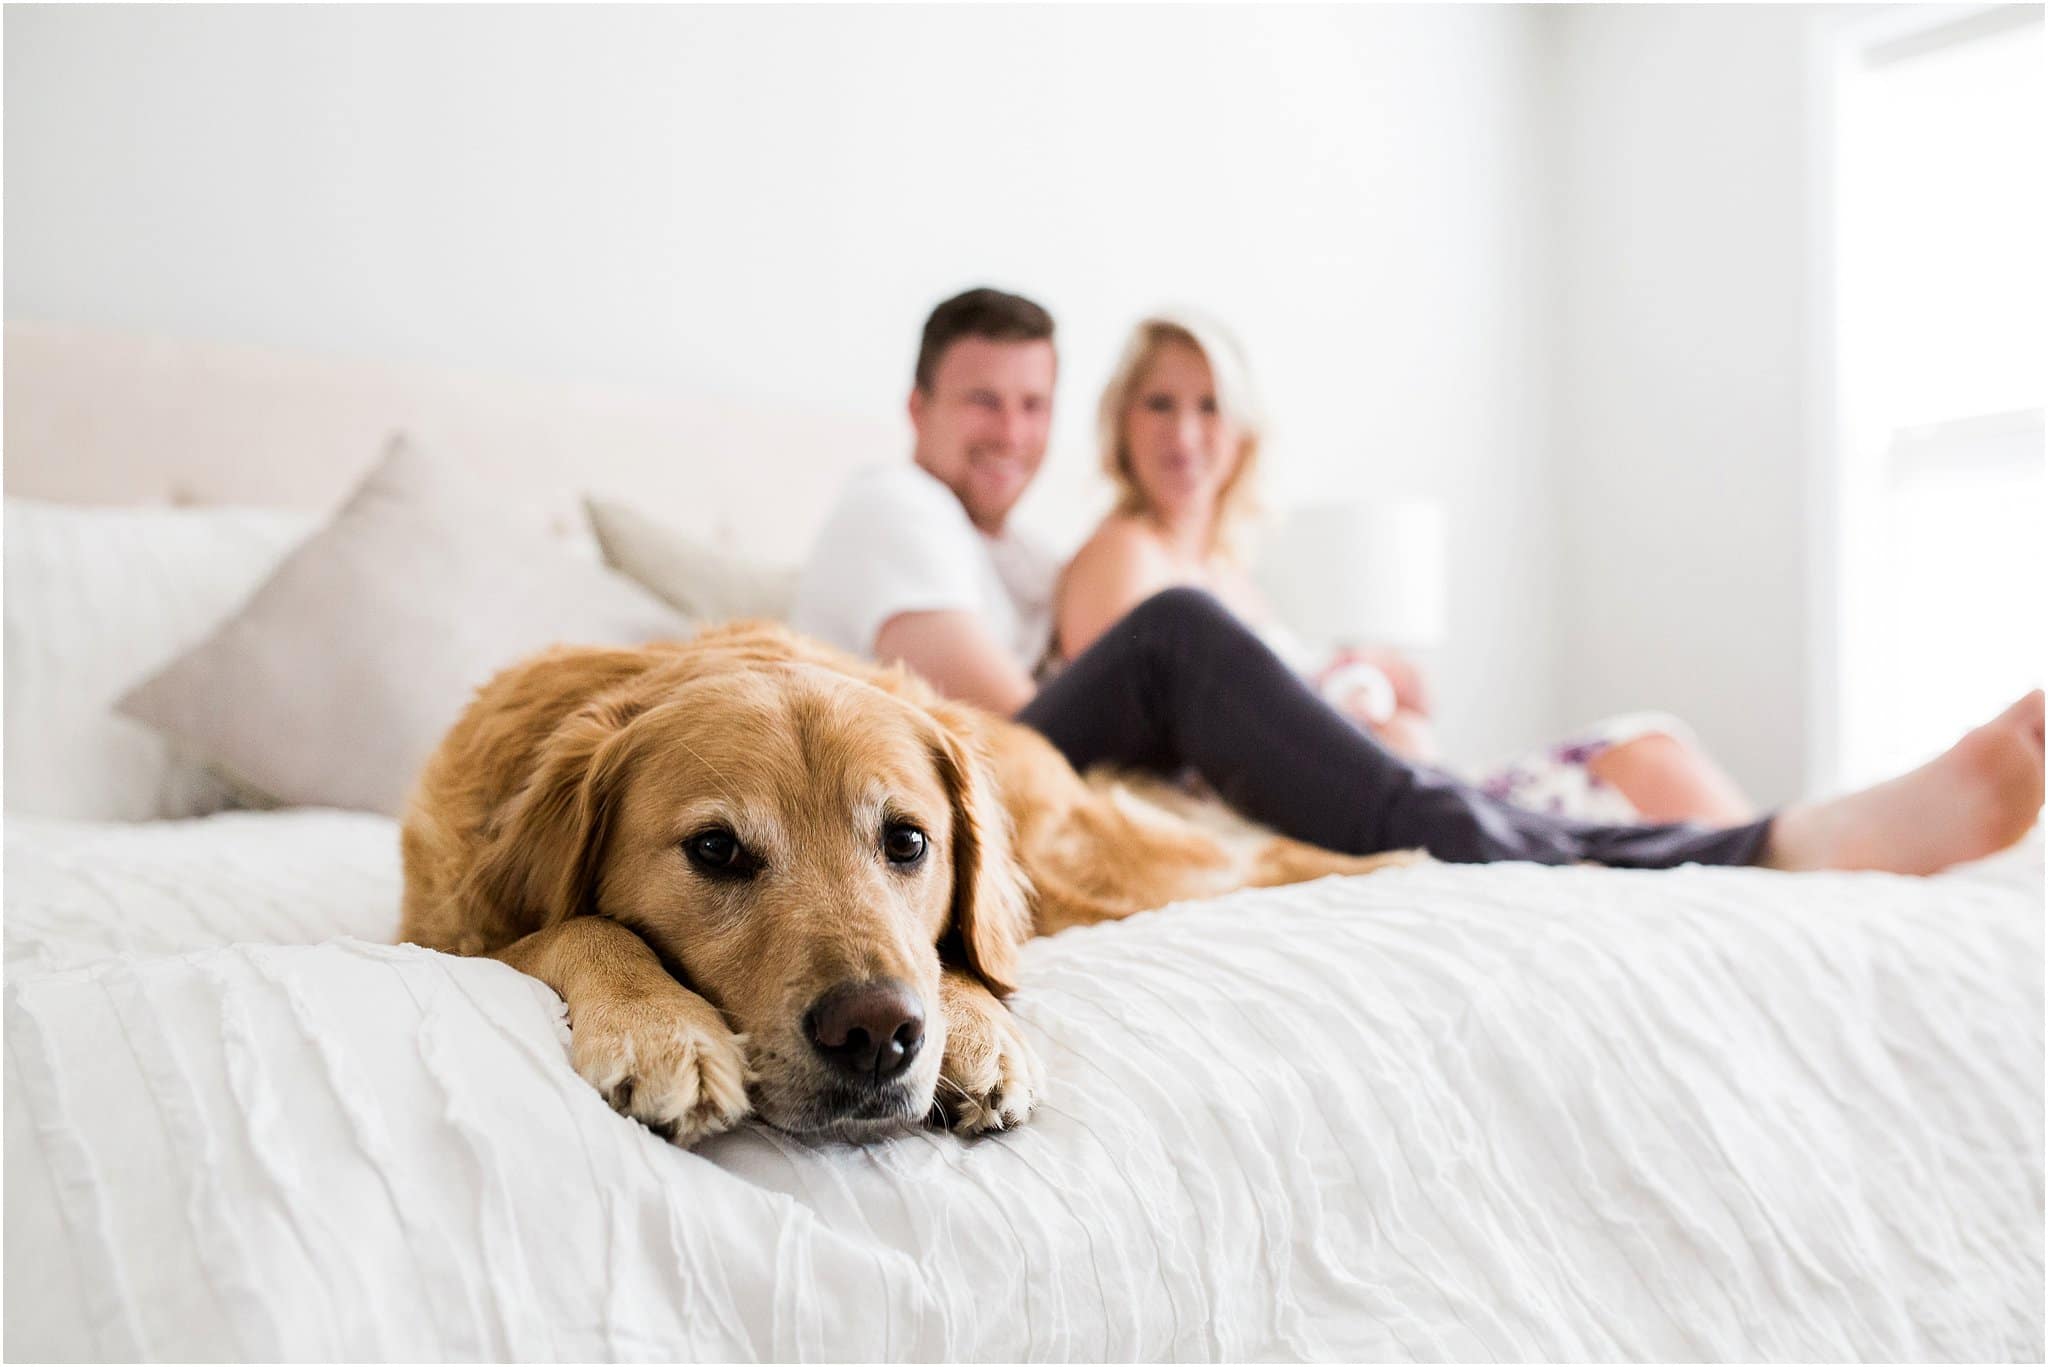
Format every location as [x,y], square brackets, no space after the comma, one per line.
[868,1033]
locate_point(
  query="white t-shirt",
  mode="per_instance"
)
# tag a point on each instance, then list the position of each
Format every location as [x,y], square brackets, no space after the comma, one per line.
[899,541]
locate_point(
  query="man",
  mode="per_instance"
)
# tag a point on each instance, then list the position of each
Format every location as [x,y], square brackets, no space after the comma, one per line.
[917,564]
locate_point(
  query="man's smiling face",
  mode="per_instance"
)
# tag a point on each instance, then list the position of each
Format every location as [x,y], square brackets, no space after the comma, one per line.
[983,425]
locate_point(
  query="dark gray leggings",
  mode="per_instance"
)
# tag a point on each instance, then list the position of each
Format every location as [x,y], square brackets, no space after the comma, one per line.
[1180,683]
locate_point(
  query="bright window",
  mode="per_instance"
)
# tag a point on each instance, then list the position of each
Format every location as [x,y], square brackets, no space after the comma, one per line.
[1941,504]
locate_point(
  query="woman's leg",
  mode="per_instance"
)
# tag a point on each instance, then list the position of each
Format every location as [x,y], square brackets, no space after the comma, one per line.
[1668,778]
[1180,681]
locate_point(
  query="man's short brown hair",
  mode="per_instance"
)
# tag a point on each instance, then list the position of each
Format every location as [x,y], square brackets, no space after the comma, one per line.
[985,313]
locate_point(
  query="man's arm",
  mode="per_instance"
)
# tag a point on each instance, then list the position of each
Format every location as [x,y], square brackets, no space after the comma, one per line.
[954,653]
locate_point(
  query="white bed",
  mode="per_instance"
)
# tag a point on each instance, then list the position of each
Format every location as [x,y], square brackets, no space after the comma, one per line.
[1444,1113]
[1440,1113]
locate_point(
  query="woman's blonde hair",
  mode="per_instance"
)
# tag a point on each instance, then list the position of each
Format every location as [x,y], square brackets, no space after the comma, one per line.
[1237,500]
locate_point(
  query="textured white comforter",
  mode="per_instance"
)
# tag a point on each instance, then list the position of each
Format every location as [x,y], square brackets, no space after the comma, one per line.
[1495,1113]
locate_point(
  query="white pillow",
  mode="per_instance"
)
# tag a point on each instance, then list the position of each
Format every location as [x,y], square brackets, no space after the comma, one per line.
[336,680]
[700,581]
[98,599]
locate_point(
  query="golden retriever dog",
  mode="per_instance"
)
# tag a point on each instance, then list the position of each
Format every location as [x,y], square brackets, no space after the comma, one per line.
[769,878]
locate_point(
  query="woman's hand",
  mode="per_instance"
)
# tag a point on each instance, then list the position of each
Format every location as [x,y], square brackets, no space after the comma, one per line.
[1410,694]
[1410,735]
[1381,693]
[1401,729]
[1359,690]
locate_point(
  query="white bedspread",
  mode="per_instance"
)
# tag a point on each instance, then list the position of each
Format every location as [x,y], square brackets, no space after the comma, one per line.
[1497,1113]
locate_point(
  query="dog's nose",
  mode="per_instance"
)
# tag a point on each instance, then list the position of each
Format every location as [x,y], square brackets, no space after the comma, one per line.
[867,1030]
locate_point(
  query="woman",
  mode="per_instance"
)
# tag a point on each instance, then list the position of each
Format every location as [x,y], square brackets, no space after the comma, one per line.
[1180,434]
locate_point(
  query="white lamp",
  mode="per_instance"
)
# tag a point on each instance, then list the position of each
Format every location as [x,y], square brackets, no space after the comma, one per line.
[1360,572]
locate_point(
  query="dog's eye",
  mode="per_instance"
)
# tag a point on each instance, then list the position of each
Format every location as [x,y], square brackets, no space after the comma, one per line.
[718,851]
[903,844]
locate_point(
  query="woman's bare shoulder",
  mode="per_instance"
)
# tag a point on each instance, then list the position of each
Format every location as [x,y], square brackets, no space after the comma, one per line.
[1120,541]
[1120,565]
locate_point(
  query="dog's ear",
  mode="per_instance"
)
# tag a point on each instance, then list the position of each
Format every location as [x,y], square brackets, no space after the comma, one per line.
[539,862]
[991,894]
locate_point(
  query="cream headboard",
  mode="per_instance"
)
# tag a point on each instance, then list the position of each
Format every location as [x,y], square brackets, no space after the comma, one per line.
[97,417]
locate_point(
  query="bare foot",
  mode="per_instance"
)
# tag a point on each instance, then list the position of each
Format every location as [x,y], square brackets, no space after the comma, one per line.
[1976,799]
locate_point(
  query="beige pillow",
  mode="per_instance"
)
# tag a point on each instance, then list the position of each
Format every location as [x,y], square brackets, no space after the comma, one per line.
[702,583]
[333,684]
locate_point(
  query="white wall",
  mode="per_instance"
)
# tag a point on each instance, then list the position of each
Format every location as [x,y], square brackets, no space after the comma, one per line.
[768,199]
[1683,438]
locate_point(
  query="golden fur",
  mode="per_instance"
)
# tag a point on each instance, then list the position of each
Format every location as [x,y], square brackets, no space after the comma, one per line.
[549,830]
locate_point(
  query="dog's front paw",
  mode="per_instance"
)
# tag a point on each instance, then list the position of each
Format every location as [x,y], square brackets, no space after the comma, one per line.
[664,1065]
[990,1077]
